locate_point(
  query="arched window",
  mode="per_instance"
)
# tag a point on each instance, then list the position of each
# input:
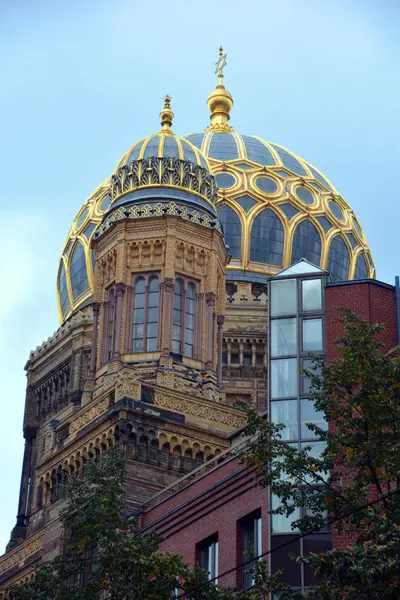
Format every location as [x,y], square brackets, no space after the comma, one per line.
[63,290]
[145,313]
[267,237]
[361,271]
[306,243]
[183,328]
[232,229]
[338,259]
[78,272]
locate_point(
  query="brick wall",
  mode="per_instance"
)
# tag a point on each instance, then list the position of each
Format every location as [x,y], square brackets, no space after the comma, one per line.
[371,300]
[212,505]
[376,303]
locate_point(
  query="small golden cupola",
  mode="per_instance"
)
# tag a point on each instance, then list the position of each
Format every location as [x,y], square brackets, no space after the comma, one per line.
[162,174]
[220,101]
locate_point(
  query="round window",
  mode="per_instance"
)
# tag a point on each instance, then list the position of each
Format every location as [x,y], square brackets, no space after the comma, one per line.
[336,210]
[266,185]
[105,203]
[225,180]
[304,195]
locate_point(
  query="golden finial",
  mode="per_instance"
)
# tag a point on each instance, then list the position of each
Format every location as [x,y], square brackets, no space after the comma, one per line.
[166,116]
[220,101]
[220,64]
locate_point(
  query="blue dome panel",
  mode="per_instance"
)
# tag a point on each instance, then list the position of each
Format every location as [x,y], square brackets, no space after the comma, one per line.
[223,147]
[171,147]
[134,155]
[257,151]
[189,153]
[196,139]
[289,161]
[151,148]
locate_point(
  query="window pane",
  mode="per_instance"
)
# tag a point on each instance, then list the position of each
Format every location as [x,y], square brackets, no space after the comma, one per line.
[283,337]
[151,344]
[338,259]
[139,286]
[312,296]
[138,345]
[282,523]
[138,315]
[232,229]
[310,415]
[285,413]
[283,298]
[281,558]
[312,335]
[309,365]
[284,376]
[176,346]
[138,331]
[191,291]
[153,284]
[139,300]
[189,321]
[267,238]
[152,330]
[152,315]
[306,243]
[189,306]
[188,350]
[153,299]
[177,317]
[189,336]
[316,451]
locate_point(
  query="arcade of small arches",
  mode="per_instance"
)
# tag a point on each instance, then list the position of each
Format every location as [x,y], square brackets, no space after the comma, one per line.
[244,352]
[140,442]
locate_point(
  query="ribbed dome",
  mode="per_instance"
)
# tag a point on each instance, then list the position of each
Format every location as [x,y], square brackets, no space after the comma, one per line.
[166,146]
[277,208]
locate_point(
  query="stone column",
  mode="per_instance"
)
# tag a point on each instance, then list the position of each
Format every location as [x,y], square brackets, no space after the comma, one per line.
[229,352]
[241,348]
[210,300]
[253,354]
[93,355]
[119,291]
[167,315]
[220,322]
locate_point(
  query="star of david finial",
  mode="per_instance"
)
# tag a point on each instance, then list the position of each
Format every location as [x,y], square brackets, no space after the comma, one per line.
[220,64]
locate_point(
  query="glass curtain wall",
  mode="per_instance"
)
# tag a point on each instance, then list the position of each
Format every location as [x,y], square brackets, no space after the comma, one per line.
[297,335]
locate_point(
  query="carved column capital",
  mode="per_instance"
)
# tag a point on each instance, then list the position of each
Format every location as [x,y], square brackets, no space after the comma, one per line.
[210,298]
[220,320]
[169,284]
[120,289]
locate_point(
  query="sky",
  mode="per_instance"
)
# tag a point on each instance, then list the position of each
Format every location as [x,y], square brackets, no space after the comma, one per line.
[82,80]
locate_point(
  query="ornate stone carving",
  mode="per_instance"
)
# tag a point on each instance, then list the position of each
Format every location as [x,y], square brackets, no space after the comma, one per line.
[13,558]
[200,410]
[127,385]
[88,416]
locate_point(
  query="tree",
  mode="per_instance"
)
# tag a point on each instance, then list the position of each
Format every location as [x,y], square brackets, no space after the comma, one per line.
[102,556]
[355,483]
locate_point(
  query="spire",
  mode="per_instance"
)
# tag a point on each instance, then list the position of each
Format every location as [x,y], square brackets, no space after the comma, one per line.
[166,116]
[220,101]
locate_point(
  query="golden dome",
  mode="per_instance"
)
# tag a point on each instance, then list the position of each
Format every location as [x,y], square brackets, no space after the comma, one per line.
[274,206]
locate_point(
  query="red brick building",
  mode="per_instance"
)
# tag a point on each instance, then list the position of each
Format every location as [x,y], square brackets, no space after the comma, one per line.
[221,500]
